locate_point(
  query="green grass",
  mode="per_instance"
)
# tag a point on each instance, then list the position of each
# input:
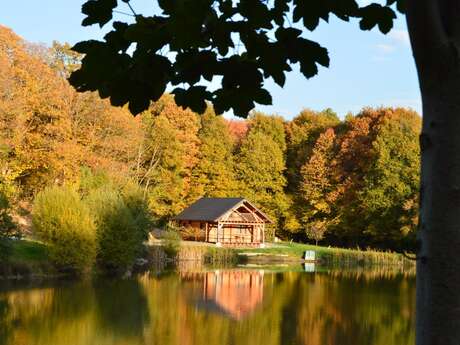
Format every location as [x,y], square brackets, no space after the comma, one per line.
[29,251]
[295,251]
[334,256]
[28,259]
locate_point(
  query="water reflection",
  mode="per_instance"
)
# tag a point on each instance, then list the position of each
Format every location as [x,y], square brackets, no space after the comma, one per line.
[334,307]
[233,293]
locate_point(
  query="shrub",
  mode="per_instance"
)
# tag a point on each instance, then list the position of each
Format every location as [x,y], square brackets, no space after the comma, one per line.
[90,180]
[119,235]
[171,242]
[133,196]
[8,229]
[64,223]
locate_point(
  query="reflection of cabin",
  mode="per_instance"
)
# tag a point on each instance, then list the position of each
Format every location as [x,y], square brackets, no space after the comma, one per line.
[227,221]
[235,294]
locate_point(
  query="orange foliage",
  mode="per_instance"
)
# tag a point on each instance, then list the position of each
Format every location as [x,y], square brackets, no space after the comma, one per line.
[237,128]
[48,129]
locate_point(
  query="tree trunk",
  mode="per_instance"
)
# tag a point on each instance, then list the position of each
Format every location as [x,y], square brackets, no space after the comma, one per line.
[433,31]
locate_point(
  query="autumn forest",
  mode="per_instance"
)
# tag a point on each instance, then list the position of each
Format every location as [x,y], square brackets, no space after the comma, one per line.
[340,179]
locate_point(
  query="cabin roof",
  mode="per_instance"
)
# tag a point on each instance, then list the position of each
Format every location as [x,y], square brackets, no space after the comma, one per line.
[213,209]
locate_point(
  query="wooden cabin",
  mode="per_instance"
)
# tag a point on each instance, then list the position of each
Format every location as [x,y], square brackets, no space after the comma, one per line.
[225,221]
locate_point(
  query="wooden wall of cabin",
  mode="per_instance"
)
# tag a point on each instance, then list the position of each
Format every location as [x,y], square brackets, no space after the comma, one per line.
[234,233]
[192,230]
[231,233]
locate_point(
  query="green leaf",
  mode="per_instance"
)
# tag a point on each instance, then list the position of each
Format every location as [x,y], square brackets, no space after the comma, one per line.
[400,5]
[193,98]
[262,96]
[191,66]
[376,14]
[98,12]
[257,14]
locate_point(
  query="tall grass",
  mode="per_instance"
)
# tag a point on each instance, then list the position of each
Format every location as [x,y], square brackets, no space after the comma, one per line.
[337,256]
[287,252]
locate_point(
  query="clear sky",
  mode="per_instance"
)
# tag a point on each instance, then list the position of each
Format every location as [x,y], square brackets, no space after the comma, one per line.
[367,68]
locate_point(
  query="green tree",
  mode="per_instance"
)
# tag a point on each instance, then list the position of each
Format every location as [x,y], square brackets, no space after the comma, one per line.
[369,187]
[301,135]
[260,169]
[161,167]
[167,156]
[214,174]
[8,229]
[135,200]
[390,190]
[63,221]
[272,126]
[317,187]
[119,235]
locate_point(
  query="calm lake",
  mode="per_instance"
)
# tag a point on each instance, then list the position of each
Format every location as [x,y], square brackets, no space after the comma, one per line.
[210,307]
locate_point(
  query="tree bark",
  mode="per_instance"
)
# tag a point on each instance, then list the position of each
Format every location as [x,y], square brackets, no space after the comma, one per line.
[433,27]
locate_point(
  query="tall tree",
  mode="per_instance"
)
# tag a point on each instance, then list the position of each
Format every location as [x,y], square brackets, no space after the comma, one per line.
[260,169]
[214,174]
[162,160]
[389,194]
[374,179]
[272,126]
[317,188]
[34,122]
[186,125]
[301,135]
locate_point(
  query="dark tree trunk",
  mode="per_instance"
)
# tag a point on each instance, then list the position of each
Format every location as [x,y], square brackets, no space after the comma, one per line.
[434,31]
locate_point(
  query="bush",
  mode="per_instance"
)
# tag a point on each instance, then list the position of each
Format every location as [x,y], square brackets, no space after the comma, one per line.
[119,234]
[65,224]
[133,196]
[90,180]
[8,229]
[171,242]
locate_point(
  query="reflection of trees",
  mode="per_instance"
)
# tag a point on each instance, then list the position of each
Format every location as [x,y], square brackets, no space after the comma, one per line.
[281,308]
[347,310]
[72,314]
[22,306]
[121,309]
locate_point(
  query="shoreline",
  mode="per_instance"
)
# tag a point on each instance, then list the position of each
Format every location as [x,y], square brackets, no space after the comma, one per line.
[30,262]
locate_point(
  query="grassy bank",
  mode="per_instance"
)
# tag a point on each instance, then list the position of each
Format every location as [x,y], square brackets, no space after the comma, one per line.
[285,252]
[28,258]
[333,256]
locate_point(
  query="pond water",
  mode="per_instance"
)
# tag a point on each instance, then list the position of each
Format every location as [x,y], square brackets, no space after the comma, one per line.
[210,307]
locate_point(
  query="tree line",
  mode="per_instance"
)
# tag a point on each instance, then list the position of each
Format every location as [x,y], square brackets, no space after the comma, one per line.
[351,181]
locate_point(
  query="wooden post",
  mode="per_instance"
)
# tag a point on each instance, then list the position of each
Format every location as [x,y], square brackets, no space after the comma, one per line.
[263,233]
[219,226]
[206,235]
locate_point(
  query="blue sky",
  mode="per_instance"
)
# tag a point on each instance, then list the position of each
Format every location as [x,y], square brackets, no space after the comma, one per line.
[367,68]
